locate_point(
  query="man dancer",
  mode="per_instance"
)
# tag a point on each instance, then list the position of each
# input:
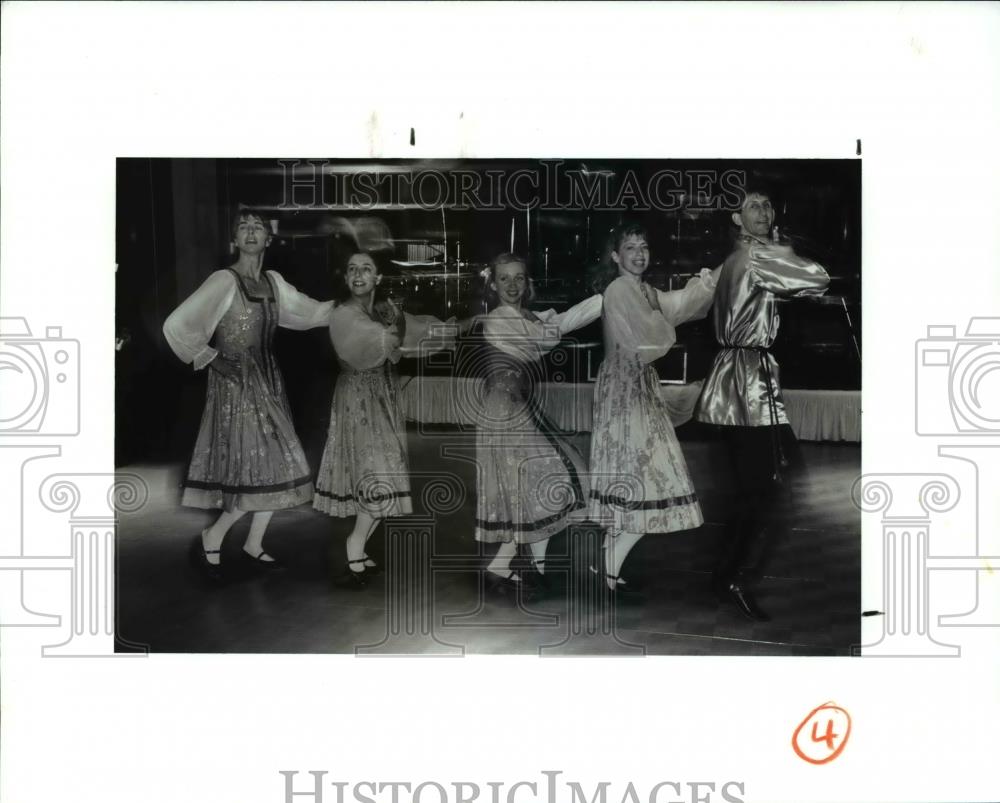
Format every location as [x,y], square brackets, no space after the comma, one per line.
[741,394]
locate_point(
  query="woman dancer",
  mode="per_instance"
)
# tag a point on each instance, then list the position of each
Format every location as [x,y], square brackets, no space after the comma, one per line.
[247,456]
[640,480]
[530,479]
[364,471]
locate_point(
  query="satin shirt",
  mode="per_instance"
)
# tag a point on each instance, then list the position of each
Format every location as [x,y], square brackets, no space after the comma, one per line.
[745,319]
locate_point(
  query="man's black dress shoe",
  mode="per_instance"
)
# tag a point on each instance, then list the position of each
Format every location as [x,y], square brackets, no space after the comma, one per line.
[743,600]
[540,583]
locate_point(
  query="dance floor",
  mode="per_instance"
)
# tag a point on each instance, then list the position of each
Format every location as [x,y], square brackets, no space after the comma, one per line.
[811,585]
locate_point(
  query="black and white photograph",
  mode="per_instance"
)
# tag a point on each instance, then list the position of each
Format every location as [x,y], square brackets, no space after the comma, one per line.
[455,402]
[490,406]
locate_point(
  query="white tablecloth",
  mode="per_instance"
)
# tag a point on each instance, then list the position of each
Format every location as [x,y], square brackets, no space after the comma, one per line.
[827,415]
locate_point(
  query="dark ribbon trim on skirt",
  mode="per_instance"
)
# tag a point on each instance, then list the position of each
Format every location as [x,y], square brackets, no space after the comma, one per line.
[247,489]
[531,526]
[364,499]
[646,504]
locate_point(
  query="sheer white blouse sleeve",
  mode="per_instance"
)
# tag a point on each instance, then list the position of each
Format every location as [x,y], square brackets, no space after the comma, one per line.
[693,301]
[577,316]
[425,334]
[297,310]
[190,327]
[358,340]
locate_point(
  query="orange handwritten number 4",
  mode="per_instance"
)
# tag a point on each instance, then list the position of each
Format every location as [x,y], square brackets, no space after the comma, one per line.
[827,737]
[822,748]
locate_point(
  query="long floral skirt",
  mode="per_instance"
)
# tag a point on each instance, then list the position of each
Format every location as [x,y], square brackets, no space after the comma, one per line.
[531,480]
[364,466]
[639,480]
[247,455]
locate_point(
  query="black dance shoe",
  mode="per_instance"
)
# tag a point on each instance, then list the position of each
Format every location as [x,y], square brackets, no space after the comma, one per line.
[744,601]
[372,571]
[199,559]
[259,562]
[539,582]
[352,580]
[508,588]
[622,592]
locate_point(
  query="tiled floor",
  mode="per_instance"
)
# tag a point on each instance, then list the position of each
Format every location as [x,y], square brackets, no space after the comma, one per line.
[811,588]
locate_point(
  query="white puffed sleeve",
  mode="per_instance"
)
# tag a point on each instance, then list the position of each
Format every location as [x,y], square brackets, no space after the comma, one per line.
[358,340]
[190,327]
[579,315]
[691,302]
[425,334]
[297,310]
[632,324]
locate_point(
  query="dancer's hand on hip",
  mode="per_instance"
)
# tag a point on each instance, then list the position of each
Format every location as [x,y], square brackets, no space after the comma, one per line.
[229,367]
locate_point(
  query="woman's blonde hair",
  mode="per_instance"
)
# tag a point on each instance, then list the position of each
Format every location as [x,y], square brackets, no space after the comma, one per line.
[507,258]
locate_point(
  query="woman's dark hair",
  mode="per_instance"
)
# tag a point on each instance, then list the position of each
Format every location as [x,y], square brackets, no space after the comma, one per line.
[626,230]
[602,273]
[507,258]
[381,294]
[242,213]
